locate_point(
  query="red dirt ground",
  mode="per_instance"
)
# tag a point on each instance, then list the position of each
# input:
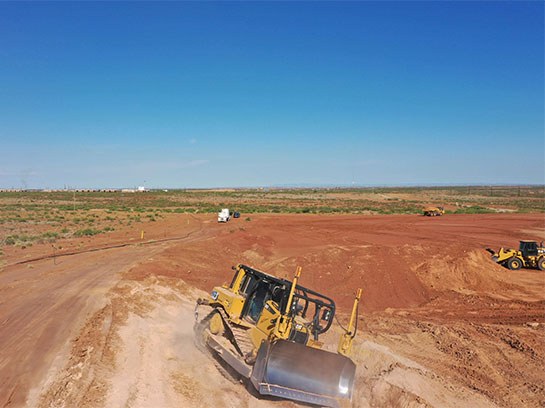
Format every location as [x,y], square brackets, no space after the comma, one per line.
[440,323]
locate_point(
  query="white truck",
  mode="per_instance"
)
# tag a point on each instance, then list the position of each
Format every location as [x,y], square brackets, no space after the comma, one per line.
[224,215]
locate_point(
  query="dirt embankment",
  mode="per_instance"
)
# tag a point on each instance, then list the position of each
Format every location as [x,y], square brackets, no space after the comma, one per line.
[440,325]
[399,261]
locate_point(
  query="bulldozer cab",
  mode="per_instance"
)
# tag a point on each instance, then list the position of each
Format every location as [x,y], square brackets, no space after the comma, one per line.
[259,288]
[256,301]
[528,248]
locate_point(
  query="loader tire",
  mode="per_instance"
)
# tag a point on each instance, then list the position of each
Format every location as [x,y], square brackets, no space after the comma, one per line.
[514,264]
[541,263]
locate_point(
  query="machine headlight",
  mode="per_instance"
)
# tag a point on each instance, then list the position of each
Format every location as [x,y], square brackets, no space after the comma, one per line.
[214,295]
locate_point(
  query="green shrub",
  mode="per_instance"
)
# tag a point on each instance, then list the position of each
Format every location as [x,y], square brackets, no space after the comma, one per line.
[474,209]
[86,232]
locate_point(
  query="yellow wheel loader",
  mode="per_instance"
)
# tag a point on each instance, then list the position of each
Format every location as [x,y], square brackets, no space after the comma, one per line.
[433,211]
[267,330]
[529,255]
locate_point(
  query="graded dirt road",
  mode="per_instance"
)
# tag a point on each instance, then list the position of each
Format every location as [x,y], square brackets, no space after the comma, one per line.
[440,323]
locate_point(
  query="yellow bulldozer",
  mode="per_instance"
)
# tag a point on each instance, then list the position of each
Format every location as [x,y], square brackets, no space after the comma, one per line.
[266,330]
[529,255]
[433,211]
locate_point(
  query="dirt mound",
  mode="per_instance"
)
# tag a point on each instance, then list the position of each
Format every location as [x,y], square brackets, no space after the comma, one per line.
[335,268]
[387,379]
[390,277]
[501,363]
[464,271]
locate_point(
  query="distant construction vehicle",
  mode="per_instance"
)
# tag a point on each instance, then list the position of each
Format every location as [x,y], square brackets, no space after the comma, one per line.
[433,211]
[224,215]
[529,255]
[266,329]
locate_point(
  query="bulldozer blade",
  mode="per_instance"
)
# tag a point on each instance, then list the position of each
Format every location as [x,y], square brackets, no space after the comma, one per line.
[294,371]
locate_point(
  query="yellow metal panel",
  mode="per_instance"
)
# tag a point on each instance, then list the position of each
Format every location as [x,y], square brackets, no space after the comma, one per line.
[264,328]
[231,302]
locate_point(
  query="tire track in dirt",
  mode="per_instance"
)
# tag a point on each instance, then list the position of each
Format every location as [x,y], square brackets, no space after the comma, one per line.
[44,304]
[146,357]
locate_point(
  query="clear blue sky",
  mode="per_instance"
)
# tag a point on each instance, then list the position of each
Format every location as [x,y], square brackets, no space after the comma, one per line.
[257,94]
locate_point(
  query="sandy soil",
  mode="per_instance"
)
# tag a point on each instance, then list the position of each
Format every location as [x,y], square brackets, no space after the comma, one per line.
[110,323]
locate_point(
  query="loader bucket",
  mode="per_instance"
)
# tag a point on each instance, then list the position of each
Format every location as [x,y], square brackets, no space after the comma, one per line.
[298,372]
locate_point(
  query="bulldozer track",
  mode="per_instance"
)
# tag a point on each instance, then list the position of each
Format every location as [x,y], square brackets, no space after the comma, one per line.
[201,331]
[236,336]
[242,339]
